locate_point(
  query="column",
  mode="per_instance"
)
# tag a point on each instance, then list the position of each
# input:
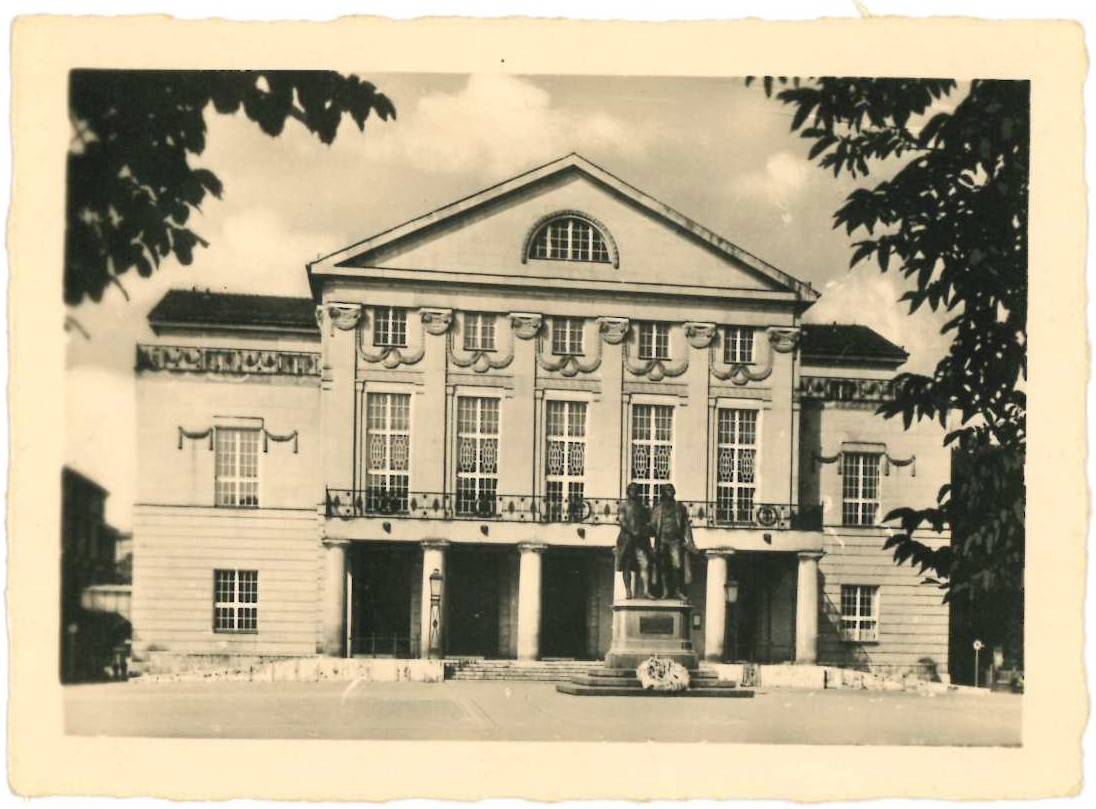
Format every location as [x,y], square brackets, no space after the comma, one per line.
[806,608]
[433,558]
[715,606]
[529,578]
[334,604]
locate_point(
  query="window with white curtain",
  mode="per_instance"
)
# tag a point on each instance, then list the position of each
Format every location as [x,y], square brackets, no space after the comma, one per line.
[652,448]
[388,451]
[736,464]
[565,459]
[477,454]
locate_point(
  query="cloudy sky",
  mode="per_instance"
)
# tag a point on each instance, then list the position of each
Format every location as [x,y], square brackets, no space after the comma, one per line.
[715,150]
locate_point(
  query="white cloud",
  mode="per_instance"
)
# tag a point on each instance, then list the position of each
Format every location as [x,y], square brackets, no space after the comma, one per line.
[868,297]
[497,124]
[778,184]
[101,434]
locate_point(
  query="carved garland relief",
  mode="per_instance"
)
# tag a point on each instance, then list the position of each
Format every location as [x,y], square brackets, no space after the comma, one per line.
[390,356]
[780,339]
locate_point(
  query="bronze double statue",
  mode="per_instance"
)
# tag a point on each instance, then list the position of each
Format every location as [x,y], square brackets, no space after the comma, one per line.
[664,566]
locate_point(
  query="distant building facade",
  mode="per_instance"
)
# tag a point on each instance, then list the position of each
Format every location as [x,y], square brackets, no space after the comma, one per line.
[87,558]
[468,395]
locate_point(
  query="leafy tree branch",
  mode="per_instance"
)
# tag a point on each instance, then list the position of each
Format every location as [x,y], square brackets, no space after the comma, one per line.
[132,182]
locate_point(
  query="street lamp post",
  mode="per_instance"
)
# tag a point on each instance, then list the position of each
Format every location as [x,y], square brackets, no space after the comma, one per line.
[435,613]
[730,593]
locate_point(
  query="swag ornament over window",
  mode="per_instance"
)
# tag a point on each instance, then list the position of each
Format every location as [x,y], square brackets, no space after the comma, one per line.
[391,346]
[781,340]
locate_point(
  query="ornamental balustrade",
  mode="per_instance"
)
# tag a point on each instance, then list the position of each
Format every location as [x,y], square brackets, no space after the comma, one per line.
[232,361]
[395,502]
[847,389]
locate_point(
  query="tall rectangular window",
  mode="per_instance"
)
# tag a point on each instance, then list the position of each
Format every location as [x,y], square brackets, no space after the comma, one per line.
[859,487]
[565,460]
[389,326]
[652,448]
[566,335]
[738,344]
[860,612]
[479,331]
[388,451]
[235,600]
[654,341]
[236,467]
[477,455]
[736,463]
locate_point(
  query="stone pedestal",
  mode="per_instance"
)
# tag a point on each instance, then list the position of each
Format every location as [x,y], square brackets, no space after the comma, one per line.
[643,628]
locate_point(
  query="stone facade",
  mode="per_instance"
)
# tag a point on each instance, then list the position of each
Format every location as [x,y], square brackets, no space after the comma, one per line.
[481,386]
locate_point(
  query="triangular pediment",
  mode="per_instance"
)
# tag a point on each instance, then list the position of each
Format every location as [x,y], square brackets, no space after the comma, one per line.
[489,234]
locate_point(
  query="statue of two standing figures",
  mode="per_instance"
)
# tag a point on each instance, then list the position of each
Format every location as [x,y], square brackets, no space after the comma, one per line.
[659,568]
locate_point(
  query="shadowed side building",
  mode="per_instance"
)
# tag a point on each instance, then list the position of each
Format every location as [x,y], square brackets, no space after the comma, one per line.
[467,396]
[87,634]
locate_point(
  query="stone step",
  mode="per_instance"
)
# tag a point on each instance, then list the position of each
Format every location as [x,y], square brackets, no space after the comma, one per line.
[579,690]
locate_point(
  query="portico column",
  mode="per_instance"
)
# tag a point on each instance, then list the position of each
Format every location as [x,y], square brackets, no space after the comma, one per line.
[806,608]
[529,578]
[334,597]
[715,606]
[433,558]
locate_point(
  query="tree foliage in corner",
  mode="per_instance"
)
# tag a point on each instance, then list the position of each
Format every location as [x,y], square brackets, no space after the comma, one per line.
[132,185]
[953,220]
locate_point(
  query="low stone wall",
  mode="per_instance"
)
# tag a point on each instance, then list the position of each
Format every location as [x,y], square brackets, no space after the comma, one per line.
[818,677]
[197,668]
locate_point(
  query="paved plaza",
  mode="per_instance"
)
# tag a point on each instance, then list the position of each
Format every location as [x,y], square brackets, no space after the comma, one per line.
[533,712]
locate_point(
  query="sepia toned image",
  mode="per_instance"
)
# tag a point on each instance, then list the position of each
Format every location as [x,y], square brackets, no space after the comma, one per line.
[550,443]
[530,406]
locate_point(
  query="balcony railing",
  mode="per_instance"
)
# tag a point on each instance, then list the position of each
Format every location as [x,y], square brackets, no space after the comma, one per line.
[349,503]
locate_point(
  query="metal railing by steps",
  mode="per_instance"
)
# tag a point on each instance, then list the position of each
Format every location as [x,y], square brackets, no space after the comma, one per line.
[532,670]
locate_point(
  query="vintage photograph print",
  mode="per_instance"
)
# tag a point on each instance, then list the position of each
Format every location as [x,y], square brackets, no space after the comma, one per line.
[545,408]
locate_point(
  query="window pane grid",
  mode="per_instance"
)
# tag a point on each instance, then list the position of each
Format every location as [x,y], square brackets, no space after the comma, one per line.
[388,451]
[236,467]
[860,612]
[736,464]
[738,345]
[565,459]
[859,488]
[652,448]
[389,326]
[479,332]
[477,454]
[654,341]
[569,238]
[235,600]
[566,335]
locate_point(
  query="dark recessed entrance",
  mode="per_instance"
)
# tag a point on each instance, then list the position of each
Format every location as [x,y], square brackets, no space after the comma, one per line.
[381,578]
[474,578]
[762,625]
[576,596]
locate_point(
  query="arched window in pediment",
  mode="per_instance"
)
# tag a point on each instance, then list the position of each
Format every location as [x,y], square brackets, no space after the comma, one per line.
[570,236]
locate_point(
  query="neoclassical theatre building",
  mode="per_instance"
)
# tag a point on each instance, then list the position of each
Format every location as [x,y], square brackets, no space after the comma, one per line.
[453,418]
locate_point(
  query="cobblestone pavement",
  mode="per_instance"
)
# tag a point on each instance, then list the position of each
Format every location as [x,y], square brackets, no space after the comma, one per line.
[533,711]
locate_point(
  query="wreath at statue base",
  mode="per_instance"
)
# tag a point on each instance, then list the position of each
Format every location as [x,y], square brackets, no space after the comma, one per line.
[660,673]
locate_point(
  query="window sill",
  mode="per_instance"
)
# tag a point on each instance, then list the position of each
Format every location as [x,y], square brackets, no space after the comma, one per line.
[235,631]
[851,641]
